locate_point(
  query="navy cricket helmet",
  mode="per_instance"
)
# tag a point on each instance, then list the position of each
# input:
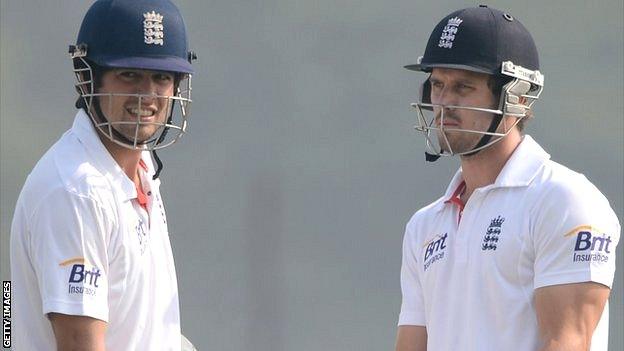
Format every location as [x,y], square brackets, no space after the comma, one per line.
[143,34]
[134,34]
[478,39]
[485,40]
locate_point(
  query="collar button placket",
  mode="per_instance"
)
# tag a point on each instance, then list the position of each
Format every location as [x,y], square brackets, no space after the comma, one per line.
[465,228]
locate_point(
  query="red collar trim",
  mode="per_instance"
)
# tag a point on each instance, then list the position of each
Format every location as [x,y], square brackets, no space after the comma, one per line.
[143,165]
[456,197]
[141,197]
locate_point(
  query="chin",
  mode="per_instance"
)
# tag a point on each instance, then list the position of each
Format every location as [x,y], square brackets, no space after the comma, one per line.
[142,137]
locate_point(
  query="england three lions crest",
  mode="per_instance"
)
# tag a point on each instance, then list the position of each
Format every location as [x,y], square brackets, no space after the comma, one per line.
[153,30]
[448,33]
[490,239]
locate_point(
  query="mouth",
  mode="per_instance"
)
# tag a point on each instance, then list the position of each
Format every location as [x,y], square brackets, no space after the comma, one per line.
[449,120]
[447,123]
[143,113]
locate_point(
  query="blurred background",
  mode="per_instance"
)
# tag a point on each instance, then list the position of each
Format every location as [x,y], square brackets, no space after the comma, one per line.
[288,198]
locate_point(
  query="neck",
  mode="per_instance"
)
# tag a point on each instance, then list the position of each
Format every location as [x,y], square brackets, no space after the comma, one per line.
[483,168]
[127,159]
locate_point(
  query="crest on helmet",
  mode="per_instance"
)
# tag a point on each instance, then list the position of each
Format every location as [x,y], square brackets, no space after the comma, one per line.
[449,32]
[153,29]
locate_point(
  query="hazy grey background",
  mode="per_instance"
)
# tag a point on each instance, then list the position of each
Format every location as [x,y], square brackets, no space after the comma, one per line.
[288,197]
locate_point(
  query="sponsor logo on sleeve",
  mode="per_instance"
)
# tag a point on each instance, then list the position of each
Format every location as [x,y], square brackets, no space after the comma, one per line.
[84,278]
[591,244]
[434,250]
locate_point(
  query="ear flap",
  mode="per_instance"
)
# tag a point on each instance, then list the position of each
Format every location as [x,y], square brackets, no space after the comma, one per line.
[514,91]
[520,88]
[425,94]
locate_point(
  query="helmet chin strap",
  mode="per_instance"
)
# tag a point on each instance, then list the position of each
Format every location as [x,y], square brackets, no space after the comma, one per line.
[487,137]
[429,157]
[160,139]
[496,120]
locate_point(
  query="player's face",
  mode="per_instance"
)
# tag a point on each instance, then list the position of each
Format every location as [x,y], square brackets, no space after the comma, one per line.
[151,109]
[455,87]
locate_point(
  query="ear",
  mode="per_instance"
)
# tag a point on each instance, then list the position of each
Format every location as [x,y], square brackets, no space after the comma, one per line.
[522,100]
[507,123]
[516,103]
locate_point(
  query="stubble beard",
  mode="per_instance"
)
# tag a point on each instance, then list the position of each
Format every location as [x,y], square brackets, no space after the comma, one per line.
[146,131]
[458,141]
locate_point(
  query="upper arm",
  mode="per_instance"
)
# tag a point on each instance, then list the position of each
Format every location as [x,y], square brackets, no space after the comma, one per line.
[568,314]
[412,304]
[78,332]
[411,338]
[69,250]
[574,236]
[412,333]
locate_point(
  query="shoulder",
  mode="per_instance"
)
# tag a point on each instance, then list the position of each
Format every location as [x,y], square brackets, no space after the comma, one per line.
[421,218]
[567,199]
[558,185]
[66,168]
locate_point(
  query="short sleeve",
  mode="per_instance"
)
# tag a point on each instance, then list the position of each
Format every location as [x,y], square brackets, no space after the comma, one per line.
[412,306]
[68,251]
[575,236]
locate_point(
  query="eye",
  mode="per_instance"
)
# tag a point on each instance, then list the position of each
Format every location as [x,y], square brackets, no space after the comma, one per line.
[436,84]
[163,77]
[128,74]
[462,87]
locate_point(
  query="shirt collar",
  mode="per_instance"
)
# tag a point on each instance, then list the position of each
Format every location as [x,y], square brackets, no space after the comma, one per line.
[523,165]
[454,186]
[86,133]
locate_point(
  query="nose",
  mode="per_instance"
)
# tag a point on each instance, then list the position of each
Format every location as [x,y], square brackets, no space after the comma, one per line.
[148,89]
[444,97]
[147,86]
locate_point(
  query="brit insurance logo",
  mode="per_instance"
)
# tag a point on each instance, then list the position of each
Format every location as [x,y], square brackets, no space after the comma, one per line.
[83,278]
[434,250]
[591,244]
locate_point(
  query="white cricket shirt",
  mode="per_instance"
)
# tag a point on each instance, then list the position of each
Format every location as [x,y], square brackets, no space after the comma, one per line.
[81,244]
[471,282]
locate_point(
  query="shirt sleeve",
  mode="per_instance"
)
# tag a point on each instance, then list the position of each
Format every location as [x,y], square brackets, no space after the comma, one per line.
[68,250]
[412,307]
[575,236]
